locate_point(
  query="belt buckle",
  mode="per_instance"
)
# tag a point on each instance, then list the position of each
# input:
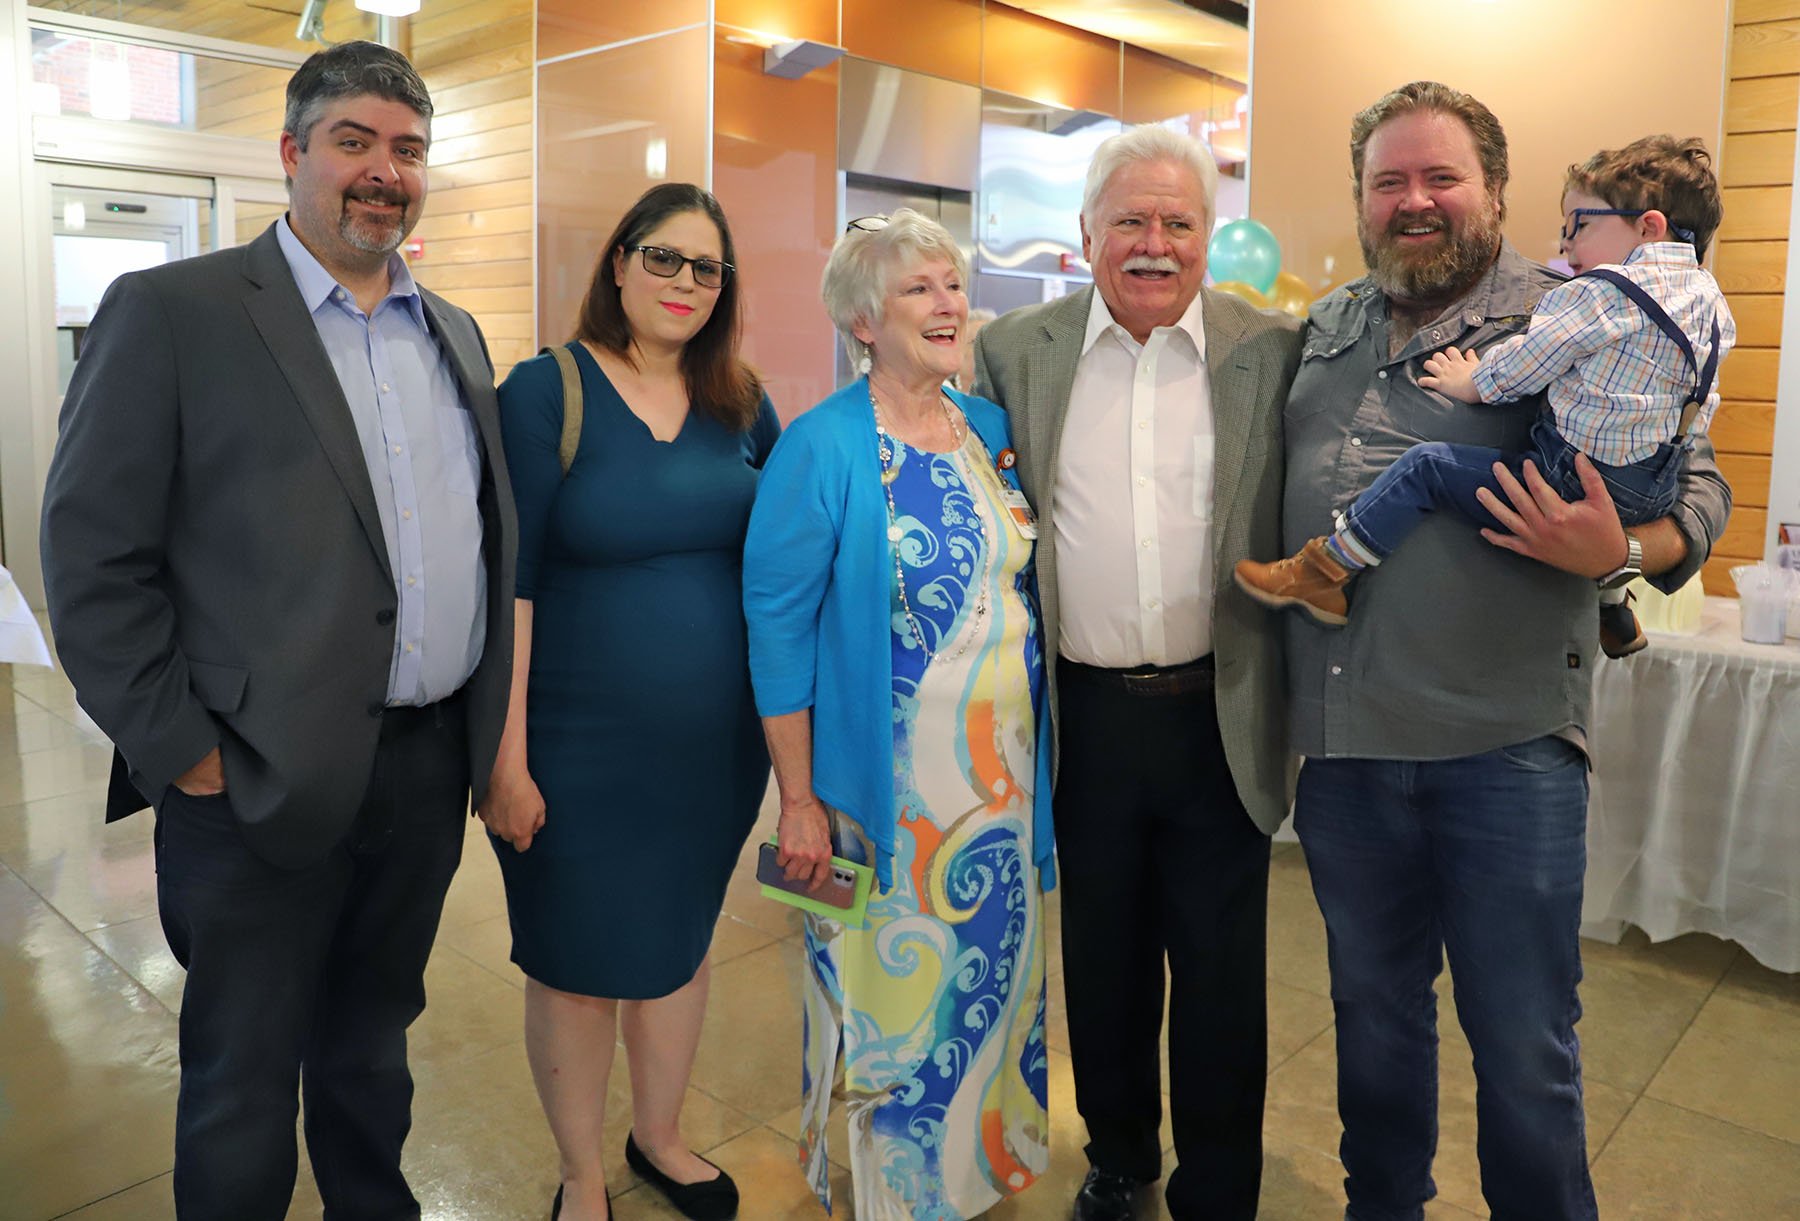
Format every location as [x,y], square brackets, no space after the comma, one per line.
[1141,682]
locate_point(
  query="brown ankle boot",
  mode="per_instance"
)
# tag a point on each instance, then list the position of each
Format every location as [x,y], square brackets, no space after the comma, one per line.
[1620,633]
[1311,580]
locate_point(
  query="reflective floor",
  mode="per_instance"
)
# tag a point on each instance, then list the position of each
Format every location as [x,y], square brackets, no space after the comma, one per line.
[1692,1051]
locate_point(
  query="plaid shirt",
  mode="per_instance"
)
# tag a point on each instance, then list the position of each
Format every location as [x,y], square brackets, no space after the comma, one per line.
[1616,383]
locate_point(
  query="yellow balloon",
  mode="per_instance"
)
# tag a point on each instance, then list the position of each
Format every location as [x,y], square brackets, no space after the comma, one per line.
[1238,288]
[1291,294]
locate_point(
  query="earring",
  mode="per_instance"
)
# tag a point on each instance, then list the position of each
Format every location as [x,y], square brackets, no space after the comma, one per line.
[865,364]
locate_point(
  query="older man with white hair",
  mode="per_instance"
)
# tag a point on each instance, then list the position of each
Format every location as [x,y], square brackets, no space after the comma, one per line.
[1147,413]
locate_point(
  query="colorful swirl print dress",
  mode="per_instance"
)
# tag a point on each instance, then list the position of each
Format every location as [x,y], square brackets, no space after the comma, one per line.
[937,1003]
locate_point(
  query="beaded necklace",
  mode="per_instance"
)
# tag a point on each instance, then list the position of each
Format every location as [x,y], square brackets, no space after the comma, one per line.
[883,438]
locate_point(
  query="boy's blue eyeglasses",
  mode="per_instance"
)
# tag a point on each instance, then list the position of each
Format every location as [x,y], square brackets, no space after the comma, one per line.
[1577,221]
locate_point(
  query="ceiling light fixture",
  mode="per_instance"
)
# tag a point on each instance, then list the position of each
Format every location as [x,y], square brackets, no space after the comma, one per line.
[389,8]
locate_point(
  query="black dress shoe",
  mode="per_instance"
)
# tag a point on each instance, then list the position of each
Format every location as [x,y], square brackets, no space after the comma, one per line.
[1105,1197]
[711,1200]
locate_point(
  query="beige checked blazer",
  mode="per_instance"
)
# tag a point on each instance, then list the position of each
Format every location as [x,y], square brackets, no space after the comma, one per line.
[1025,361]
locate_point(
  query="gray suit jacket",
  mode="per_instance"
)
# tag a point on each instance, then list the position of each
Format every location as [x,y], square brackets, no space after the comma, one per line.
[213,555]
[1025,361]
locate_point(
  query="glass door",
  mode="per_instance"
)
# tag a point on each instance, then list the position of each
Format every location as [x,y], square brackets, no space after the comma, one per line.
[98,223]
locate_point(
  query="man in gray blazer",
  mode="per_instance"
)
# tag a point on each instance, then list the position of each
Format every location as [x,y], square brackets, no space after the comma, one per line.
[1147,413]
[278,543]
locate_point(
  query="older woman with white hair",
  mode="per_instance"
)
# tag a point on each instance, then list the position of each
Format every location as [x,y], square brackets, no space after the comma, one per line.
[896,659]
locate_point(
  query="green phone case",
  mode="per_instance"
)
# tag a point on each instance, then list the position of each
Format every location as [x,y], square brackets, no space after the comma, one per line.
[854,915]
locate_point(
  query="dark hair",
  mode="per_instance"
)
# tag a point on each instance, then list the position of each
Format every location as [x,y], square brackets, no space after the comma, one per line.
[1490,139]
[350,69]
[718,382]
[1675,177]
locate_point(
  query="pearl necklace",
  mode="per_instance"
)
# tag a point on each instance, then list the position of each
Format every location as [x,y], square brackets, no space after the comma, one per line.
[883,436]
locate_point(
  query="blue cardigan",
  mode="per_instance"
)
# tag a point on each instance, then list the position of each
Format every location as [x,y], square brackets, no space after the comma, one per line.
[818,575]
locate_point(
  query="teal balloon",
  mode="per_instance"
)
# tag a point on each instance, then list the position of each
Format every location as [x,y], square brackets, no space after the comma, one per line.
[1244,250]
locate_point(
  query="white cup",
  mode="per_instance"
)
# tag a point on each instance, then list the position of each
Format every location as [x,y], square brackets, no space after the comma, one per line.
[1764,614]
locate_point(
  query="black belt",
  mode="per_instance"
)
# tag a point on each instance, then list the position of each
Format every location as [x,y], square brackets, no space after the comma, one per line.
[399,719]
[1183,679]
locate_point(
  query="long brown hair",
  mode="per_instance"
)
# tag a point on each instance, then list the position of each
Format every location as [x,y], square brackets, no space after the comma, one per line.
[718,382]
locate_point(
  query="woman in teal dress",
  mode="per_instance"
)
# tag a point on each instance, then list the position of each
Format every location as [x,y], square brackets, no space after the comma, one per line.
[896,659]
[632,764]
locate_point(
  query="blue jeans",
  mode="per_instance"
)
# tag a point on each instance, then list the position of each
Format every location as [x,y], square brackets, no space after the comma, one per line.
[1439,477]
[1481,857]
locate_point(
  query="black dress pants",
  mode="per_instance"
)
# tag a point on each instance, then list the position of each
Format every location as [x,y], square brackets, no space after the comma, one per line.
[309,975]
[1160,863]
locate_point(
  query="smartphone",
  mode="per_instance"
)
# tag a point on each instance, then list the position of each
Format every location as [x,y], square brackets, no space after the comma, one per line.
[838,891]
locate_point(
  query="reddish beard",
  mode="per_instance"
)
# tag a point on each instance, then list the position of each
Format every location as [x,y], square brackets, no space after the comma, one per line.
[1440,271]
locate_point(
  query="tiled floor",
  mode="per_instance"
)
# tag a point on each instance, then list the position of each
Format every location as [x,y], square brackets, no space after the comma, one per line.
[1692,1050]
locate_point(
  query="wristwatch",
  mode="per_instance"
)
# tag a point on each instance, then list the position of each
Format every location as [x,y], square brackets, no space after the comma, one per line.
[1629,571]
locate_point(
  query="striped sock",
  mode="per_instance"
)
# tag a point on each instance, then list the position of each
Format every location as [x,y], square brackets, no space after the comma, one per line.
[1350,551]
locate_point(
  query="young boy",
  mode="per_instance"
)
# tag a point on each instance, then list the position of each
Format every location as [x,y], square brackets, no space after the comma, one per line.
[1629,353]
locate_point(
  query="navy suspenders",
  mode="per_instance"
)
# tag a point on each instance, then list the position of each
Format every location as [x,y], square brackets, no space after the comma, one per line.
[1657,314]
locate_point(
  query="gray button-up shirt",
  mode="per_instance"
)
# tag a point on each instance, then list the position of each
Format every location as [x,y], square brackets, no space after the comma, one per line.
[1455,646]
[419,441]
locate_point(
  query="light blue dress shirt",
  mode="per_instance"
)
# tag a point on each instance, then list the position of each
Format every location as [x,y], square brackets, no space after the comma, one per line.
[423,453]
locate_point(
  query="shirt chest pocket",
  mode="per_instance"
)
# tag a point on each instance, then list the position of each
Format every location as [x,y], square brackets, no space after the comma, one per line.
[1325,367]
[460,445]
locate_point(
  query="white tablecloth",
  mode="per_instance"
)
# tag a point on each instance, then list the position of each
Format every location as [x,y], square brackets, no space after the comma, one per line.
[1694,824]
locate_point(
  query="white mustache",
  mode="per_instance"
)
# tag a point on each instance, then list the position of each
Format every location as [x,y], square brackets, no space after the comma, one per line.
[1144,262]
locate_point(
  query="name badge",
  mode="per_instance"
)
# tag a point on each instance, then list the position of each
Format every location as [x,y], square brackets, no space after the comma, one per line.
[1020,510]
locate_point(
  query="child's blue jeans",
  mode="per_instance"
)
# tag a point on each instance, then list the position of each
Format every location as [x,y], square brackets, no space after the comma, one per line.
[1435,476]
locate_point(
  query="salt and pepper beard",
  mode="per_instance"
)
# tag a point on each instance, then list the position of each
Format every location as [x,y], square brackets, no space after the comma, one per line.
[1440,275]
[371,235]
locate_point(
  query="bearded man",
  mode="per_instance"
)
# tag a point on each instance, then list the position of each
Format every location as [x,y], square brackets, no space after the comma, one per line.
[1442,804]
[278,542]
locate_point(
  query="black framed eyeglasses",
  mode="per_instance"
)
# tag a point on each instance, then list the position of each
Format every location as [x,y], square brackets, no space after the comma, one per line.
[1576,221]
[867,224]
[661,261]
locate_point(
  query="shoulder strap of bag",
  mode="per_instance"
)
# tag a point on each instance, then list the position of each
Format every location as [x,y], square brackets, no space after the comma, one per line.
[571,421]
[1657,314]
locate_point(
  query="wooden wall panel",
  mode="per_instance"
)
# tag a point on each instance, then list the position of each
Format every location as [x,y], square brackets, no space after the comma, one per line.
[1756,168]
[1758,213]
[1763,104]
[1749,373]
[1750,267]
[1747,11]
[1742,427]
[1770,48]
[1748,475]
[1761,159]
[477,59]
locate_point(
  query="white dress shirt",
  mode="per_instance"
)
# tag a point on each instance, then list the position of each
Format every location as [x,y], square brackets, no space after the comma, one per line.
[1133,497]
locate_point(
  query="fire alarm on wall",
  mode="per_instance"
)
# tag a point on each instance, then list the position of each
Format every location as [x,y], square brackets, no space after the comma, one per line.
[415,248]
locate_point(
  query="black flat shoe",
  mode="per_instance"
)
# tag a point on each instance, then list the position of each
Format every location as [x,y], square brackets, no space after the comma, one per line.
[712,1200]
[556,1205]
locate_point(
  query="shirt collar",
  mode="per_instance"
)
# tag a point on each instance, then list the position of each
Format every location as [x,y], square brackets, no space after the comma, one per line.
[1663,254]
[317,284]
[1100,320]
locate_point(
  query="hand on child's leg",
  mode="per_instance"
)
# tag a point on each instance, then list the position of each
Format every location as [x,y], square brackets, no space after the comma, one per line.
[1452,372]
